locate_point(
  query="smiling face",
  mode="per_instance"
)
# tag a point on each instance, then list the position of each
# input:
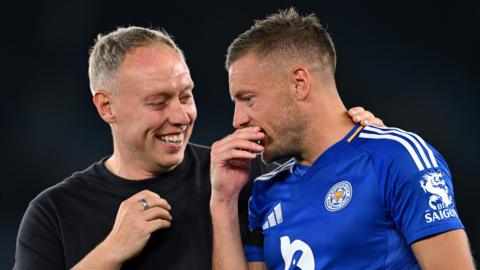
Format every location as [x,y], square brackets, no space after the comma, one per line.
[154,110]
[263,98]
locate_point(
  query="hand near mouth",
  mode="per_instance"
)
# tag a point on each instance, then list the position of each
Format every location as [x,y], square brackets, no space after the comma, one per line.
[230,162]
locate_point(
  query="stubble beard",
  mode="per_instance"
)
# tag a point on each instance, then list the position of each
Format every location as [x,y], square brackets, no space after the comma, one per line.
[287,138]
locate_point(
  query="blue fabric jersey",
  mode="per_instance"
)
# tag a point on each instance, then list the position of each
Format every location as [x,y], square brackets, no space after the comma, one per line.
[361,205]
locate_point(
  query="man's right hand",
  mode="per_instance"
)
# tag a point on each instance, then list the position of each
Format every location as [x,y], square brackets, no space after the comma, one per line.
[230,162]
[229,172]
[133,226]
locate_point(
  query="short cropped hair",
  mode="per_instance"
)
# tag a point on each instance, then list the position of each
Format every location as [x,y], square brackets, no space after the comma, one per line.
[109,51]
[286,34]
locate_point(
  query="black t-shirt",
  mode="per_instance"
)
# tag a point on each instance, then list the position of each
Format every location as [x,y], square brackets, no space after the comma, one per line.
[65,222]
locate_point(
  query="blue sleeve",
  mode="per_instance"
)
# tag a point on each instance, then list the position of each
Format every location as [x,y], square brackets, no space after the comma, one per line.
[254,246]
[421,201]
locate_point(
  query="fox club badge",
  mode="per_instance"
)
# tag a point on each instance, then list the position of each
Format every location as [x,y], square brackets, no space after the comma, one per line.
[338,196]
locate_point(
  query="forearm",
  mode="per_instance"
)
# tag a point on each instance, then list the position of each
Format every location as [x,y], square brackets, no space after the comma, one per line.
[227,244]
[449,250]
[101,258]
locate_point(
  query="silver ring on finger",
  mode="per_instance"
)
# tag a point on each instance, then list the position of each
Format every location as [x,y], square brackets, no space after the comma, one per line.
[144,203]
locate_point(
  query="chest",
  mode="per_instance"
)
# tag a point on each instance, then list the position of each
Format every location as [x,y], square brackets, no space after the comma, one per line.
[90,216]
[325,216]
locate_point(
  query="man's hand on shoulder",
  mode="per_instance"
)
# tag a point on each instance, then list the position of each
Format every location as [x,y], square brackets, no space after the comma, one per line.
[360,116]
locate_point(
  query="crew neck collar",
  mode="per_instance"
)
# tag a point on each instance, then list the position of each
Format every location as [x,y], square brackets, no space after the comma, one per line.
[118,180]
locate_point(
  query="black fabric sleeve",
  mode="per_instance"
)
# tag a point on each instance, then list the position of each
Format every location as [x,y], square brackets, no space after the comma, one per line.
[38,243]
[255,238]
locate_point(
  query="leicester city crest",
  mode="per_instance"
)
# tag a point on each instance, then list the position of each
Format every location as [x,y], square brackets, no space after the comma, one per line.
[338,196]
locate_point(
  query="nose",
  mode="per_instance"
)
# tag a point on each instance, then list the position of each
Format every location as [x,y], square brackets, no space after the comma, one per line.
[178,114]
[240,117]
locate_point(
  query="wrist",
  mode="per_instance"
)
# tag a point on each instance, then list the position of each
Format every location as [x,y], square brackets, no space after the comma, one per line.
[220,198]
[219,203]
[109,256]
[101,257]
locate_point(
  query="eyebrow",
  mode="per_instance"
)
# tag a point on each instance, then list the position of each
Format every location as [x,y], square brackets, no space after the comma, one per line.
[239,94]
[192,85]
[154,96]
[188,87]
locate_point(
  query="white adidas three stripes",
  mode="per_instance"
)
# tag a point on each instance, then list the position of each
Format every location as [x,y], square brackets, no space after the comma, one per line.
[274,217]
[409,140]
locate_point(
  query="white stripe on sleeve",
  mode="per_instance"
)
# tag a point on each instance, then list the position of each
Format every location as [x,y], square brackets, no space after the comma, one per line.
[401,141]
[408,136]
[430,153]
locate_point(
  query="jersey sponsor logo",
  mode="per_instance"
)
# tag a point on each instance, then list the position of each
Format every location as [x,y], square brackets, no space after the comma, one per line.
[338,196]
[296,254]
[440,201]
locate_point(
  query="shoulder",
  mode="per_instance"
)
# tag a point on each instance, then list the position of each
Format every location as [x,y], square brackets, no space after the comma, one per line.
[397,146]
[42,214]
[74,182]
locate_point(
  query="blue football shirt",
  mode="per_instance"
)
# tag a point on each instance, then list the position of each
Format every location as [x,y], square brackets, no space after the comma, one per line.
[360,205]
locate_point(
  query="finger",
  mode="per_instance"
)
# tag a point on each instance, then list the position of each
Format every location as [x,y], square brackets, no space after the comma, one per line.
[235,154]
[355,110]
[157,201]
[240,144]
[367,115]
[157,224]
[157,213]
[239,162]
[249,135]
[361,116]
[376,122]
[248,129]
[152,198]
[241,141]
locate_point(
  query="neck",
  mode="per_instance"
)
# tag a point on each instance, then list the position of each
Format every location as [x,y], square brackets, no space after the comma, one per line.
[330,124]
[119,168]
[131,168]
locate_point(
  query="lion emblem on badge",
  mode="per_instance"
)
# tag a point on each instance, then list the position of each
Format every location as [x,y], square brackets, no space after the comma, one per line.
[433,183]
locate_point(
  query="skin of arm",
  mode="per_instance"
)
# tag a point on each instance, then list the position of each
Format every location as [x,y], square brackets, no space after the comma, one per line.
[229,172]
[449,250]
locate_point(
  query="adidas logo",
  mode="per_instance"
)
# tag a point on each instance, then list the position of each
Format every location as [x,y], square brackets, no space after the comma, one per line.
[274,218]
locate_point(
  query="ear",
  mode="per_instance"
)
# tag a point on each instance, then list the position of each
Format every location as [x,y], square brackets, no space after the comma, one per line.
[102,101]
[300,82]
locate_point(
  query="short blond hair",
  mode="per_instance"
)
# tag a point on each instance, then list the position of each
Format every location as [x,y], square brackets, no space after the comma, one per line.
[110,49]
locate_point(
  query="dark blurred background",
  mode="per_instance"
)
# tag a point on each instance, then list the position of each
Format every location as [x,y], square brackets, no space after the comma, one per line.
[415,64]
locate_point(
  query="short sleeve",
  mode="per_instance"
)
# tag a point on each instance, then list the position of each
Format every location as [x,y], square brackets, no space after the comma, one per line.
[254,244]
[252,235]
[421,202]
[38,244]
